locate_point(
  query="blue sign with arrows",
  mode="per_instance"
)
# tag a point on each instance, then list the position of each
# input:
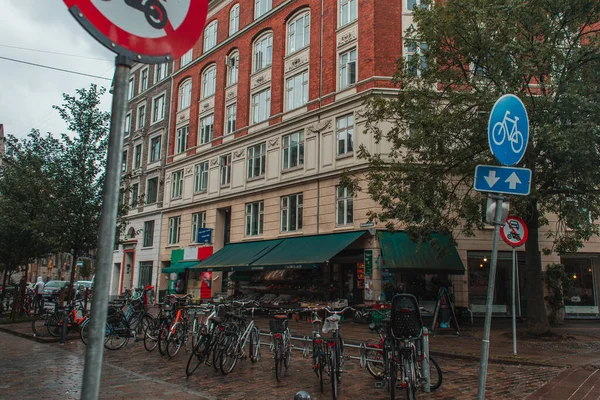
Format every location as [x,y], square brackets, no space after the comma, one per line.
[507,180]
[508,130]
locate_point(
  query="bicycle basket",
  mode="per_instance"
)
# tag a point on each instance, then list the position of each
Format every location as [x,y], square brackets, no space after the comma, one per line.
[406,317]
[278,325]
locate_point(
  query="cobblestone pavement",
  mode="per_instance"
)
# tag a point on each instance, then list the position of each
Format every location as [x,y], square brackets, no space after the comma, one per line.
[41,370]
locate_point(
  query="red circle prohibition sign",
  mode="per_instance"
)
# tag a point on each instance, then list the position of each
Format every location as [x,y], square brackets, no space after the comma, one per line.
[514,231]
[153,39]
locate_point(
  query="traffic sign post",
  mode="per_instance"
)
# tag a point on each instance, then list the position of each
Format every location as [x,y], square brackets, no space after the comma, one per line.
[150,31]
[506,180]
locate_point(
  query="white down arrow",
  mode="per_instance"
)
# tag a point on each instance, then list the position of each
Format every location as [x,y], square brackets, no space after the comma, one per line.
[491,179]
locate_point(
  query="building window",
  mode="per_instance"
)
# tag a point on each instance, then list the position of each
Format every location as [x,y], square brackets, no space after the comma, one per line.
[232,68]
[345,134]
[299,33]
[293,150]
[291,213]
[261,7]
[210,36]
[135,192]
[580,272]
[155,148]
[141,117]
[160,72]
[198,222]
[174,228]
[297,90]
[124,162]
[225,169]
[151,190]
[234,19]
[348,11]
[122,197]
[254,218]
[209,82]
[182,139]
[144,80]
[158,109]
[412,4]
[201,177]
[263,52]
[256,160]
[148,233]
[261,106]
[176,184]
[416,62]
[347,69]
[131,92]
[186,58]
[185,95]
[206,129]
[230,115]
[127,124]
[137,156]
[344,205]
[145,274]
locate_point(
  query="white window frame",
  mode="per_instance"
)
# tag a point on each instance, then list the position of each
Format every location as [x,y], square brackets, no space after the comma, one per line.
[182,138]
[186,58]
[296,88]
[141,122]
[291,159]
[176,184]
[135,194]
[144,83]
[262,52]
[232,62]
[201,177]
[146,233]
[161,109]
[160,72]
[127,128]
[234,19]
[230,118]
[289,224]
[225,169]
[148,190]
[298,33]
[344,201]
[345,134]
[206,129]
[174,230]
[131,89]
[185,95]
[261,106]
[198,221]
[348,12]
[124,161]
[407,6]
[256,160]
[210,35]
[261,7]
[153,149]
[254,218]
[415,51]
[348,68]
[209,82]
[137,156]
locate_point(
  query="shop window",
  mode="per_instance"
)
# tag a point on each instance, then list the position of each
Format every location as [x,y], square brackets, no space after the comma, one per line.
[254,218]
[581,293]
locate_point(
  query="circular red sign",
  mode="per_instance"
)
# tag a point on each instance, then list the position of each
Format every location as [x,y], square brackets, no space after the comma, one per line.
[514,231]
[144,30]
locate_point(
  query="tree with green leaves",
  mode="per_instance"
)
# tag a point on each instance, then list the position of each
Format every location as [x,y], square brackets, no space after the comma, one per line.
[462,55]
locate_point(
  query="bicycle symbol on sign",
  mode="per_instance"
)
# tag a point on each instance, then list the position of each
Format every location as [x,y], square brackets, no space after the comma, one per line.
[153,10]
[514,234]
[501,132]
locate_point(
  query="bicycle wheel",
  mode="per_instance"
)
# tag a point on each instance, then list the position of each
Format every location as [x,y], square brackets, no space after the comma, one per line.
[229,355]
[197,356]
[151,335]
[376,369]
[321,370]
[254,346]
[143,326]
[287,353]
[435,375]
[39,325]
[218,350]
[117,332]
[340,354]
[278,359]
[54,325]
[177,336]
[409,375]
[163,339]
[195,331]
[84,331]
[333,360]
[393,379]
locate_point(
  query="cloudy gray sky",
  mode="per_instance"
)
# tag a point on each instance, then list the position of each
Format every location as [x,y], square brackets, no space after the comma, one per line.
[27,93]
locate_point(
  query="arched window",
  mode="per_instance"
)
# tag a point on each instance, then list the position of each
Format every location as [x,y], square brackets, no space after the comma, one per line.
[209,82]
[210,36]
[131,233]
[233,61]
[185,95]
[263,52]
[234,19]
[298,32]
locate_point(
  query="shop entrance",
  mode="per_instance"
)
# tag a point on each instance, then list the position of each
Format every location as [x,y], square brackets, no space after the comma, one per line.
[350,284]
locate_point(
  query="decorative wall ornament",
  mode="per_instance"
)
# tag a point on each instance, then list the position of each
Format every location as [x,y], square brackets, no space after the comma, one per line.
[296,62]
[214,162]
[238,154]
[261,79]
[346,38]
[318,127]
[231,94]
[188,170]
[274,142]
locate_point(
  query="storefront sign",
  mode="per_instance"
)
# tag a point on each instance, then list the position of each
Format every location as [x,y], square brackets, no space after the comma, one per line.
[369,263]
[204,235]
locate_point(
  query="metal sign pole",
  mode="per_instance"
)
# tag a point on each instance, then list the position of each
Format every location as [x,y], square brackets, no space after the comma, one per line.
[518,290]
[108,221]
[513,299]
[485,344]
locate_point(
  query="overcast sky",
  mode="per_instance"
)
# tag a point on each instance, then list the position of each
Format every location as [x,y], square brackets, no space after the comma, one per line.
[27,93]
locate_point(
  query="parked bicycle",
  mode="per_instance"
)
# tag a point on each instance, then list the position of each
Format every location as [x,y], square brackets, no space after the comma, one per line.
[282,346]
[244,333]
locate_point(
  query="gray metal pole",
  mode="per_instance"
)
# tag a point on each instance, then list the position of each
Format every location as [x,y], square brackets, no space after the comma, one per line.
[92,371]
[513,300]
[485,344]
[518,289]
[425,365]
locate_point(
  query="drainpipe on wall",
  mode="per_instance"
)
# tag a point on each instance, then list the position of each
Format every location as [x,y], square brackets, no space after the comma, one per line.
[319,122]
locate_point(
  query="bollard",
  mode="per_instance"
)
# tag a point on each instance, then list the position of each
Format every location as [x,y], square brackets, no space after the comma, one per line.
[65,329]
[425,363]
[302,395]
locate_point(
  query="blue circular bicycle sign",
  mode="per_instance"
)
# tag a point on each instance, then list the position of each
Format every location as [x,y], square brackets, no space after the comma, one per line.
[508,130]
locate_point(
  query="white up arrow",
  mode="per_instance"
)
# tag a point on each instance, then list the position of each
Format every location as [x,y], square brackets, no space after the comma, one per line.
[491,179]
[513,180]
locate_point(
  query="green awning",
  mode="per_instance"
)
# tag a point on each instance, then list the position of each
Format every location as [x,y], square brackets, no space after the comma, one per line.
[180,266]
[400,252]
[238,255]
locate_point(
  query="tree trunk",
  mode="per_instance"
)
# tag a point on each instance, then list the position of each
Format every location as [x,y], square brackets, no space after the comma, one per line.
[537,318]
[74,263]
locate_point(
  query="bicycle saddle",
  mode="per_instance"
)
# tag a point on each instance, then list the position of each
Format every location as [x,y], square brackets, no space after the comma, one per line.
[280,316]
[216,320]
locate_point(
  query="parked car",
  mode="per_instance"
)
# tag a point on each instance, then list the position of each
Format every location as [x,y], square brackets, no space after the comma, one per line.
[52,288]
[82,285]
